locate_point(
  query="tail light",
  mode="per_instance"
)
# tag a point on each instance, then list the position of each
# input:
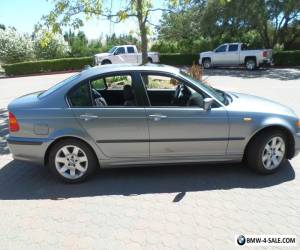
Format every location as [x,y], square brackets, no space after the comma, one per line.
[13,123]
[265,53]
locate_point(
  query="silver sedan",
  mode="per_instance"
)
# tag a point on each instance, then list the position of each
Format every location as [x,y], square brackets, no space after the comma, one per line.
[124,115]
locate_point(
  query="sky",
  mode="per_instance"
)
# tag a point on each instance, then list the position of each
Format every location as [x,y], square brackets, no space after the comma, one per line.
[24,14]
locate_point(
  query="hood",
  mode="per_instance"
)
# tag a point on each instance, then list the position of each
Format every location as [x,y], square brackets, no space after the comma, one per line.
[251,103]
[206,53]
[25,101]
[102,54]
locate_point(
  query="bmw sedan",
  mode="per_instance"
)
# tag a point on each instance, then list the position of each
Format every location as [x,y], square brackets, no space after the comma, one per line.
[124,115]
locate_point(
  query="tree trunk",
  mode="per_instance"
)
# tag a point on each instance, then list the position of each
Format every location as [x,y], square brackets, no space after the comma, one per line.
[143,31]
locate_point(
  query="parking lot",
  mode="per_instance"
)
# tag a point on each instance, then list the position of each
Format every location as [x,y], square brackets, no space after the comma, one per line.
[174,207]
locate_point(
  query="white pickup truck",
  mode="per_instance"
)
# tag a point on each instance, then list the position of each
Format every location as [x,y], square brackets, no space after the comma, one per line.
[235,54]
[124,54]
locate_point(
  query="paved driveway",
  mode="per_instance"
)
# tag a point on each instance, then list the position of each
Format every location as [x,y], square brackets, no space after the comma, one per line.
[188,207]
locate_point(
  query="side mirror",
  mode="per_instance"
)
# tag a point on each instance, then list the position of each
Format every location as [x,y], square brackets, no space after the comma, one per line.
[116,53]
[207,103]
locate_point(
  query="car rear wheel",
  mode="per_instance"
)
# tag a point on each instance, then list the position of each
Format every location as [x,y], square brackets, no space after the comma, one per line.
[267,152]
[72,160]
[207,63]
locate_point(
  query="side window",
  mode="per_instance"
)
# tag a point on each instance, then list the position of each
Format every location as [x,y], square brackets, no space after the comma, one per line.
[118,81]
[120,50]
[80,96]
[169,91]
[153,82]
[130,50]
[233,47]
[222,48]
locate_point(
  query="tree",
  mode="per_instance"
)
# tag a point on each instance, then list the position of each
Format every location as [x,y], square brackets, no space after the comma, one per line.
[54,47]
[2,26]
[276,21]
[69,12]
[15,46]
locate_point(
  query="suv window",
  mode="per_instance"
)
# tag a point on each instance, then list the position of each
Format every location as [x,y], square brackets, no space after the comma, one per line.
[121,50]
[80,96]
[233,47]
[130,50]
[222,48]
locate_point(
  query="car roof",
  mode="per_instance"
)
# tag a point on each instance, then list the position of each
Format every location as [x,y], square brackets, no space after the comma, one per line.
[128,67]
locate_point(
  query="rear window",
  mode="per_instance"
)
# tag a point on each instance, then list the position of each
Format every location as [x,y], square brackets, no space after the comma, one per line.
[130,50]
[58,85]
[80,96]
[233,47]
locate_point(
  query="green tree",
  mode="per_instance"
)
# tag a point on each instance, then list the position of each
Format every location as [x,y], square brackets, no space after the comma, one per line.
[69,12]
[15,46]
[54,47]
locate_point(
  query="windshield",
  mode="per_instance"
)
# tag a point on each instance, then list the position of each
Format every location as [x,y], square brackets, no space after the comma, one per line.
[219,95]
[58,85]
[112,49]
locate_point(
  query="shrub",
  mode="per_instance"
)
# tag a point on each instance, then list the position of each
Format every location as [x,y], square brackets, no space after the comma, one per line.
[179,59]
[15,46]
[47,66]
[50,46]
[287,58]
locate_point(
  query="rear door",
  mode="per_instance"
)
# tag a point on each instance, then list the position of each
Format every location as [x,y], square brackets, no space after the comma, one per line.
[233,55]
[131,55]
[119,131]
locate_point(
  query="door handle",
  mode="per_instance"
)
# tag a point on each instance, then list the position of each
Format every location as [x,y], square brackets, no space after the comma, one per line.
[157,117]
[87,117]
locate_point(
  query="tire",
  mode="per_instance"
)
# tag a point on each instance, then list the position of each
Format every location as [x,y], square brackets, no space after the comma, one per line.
[258,156]
[250,64]
[106,62]
[77,171]
[206,63]
[150,60]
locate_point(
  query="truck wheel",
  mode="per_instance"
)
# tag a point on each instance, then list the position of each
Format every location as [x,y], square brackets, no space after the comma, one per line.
[267,152]
[106,62]
[206,63]
[250,64]
[150,60]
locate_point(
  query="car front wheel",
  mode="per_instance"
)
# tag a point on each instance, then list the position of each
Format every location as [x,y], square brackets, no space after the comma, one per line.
[72,160]
[267,152]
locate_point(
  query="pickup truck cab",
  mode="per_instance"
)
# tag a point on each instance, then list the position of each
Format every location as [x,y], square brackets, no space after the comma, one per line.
[124,54]
[236,54]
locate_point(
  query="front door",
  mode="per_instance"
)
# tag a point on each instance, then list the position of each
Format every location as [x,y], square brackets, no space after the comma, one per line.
[119,128]
[183,128]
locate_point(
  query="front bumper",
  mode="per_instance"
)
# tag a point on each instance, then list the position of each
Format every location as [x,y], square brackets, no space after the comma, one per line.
[28,149]
[297,144]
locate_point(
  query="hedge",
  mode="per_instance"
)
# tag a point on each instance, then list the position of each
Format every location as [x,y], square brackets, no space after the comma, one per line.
[179,59]
[287,58]
[61,64]
[280,58]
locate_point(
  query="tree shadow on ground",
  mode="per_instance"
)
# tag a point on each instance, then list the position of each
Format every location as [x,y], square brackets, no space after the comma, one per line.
[3,131]
[19,180]
[272,73]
